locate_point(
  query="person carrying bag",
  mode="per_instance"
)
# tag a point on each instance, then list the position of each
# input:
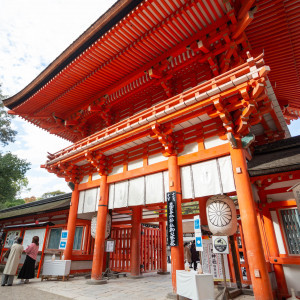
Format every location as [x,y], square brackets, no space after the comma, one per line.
[13,259]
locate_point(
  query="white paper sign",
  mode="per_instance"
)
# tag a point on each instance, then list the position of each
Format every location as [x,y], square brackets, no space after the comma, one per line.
[220,244]
[212,263]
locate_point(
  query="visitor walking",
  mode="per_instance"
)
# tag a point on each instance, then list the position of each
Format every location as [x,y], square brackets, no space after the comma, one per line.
[12,263]
[27,271]
[195,255]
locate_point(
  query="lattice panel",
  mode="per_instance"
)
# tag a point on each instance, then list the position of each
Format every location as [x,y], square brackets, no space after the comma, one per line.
[291,225]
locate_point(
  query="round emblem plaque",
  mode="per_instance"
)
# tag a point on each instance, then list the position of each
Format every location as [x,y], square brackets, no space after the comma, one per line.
[221,215]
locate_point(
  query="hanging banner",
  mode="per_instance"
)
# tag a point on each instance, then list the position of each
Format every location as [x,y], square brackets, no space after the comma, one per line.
[172,219]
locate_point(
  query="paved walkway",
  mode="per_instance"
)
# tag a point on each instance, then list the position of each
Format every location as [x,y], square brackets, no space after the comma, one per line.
[149,287]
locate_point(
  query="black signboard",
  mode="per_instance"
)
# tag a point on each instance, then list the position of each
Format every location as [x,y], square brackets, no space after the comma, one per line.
[172,219]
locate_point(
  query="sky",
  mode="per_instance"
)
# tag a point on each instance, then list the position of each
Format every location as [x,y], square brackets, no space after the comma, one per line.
[32,34]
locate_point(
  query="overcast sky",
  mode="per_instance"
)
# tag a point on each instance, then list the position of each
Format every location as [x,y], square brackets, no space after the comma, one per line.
[32,34]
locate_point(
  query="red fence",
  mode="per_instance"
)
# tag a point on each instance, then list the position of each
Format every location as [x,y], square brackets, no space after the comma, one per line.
[151,246]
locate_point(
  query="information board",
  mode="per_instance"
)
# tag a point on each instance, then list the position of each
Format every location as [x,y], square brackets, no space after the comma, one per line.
[11,237]
[30,233]
[211,262]
[172,219]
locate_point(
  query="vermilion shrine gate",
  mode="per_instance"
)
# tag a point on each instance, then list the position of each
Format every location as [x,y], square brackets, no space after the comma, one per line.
[161,96]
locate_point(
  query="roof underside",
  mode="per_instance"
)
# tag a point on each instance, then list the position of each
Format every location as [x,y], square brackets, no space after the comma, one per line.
[157,35]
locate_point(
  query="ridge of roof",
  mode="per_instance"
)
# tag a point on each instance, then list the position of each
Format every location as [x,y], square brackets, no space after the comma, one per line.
[278,145]
[102,25]
[38,202]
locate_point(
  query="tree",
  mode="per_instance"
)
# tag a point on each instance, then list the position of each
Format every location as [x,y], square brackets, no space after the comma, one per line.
[7,134]
[51,194]
[12,168]
[12,177]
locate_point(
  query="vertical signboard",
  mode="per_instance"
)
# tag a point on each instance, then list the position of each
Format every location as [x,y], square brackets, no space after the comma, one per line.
[172,219]
[63,240]
[198,233]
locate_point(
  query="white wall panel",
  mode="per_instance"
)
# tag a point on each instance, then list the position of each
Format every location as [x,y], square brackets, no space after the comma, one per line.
[98,198]
[95,176]
[166,184]
[158,157]
[111,196]
[90,200]
[206,178]
[135,164]
[190,148]
[154,188]
[278,232]
[81,202]
[85,179]
[117,170]
[187,182]
[213,142]
[121,194]
[136,191]
[226,174]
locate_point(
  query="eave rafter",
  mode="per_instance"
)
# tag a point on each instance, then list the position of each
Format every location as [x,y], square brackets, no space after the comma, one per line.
[143,48]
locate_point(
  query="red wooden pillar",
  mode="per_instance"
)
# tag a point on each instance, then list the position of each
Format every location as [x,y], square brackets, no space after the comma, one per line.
[177,256]
[98,257]
[71,226]
[164,269]
[255,253]
[135,242]
[274,252]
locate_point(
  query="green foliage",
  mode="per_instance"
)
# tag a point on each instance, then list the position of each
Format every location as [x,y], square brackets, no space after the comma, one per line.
[12,177]
[51,194]
[6,133]
[12,203]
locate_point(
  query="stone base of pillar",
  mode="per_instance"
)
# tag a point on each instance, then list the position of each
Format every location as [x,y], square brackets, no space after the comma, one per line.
[96,282]
[163,273]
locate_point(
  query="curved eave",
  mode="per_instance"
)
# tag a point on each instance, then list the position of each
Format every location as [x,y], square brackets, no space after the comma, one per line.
[111,17]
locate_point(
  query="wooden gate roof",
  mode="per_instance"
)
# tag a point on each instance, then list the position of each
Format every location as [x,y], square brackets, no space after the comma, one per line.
[122,51]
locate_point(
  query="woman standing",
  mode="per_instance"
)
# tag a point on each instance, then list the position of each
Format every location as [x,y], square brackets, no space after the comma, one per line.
[27,271]
[12,263]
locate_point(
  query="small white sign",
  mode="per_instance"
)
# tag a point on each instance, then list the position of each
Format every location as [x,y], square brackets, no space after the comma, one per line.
[110,246]
[198,241]
[197,224]
[220,244]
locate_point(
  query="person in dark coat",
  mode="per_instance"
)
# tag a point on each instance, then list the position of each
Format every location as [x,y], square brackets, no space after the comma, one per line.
[195,255]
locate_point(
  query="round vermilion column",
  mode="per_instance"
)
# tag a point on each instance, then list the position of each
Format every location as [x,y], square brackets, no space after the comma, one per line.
[135,241]
[100,230]
[274,252]
[71,226]
[177,256]
[163,229]
[255,253]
